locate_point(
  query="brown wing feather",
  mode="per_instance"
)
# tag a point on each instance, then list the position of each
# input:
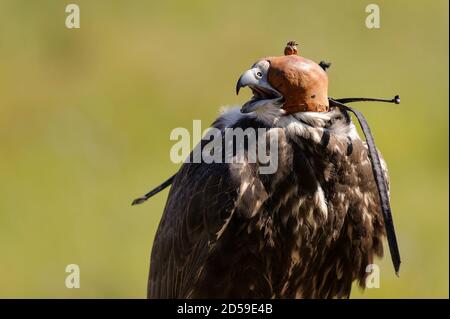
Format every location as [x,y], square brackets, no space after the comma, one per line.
[200,201]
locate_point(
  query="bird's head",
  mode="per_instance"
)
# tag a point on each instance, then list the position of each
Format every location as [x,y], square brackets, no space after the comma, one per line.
[290,82]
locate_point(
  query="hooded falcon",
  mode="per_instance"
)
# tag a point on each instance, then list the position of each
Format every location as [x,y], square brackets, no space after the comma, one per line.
[308,229]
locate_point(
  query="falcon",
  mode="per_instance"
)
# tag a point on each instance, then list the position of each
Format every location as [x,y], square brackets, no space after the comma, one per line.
[307,230]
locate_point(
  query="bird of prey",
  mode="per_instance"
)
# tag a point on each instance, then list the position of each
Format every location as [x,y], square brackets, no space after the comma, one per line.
[308,229]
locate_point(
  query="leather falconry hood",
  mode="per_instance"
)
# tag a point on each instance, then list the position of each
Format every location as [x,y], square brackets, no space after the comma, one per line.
[302,82]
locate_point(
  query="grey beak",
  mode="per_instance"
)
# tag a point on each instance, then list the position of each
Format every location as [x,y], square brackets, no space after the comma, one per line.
[247,78]
[239,85]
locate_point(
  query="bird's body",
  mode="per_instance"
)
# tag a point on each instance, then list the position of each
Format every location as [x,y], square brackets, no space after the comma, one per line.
[306,221]
[306,231]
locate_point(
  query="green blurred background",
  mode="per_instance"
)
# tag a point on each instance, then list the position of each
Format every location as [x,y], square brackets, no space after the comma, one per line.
[85,117]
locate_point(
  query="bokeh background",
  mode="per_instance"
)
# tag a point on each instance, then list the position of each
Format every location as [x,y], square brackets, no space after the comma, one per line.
[85,118]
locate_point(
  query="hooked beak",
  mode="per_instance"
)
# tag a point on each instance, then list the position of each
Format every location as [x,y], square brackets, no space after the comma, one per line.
[247,78]
[263,93]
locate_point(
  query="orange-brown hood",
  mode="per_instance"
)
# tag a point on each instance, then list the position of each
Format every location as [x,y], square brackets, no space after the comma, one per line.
[302,83]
